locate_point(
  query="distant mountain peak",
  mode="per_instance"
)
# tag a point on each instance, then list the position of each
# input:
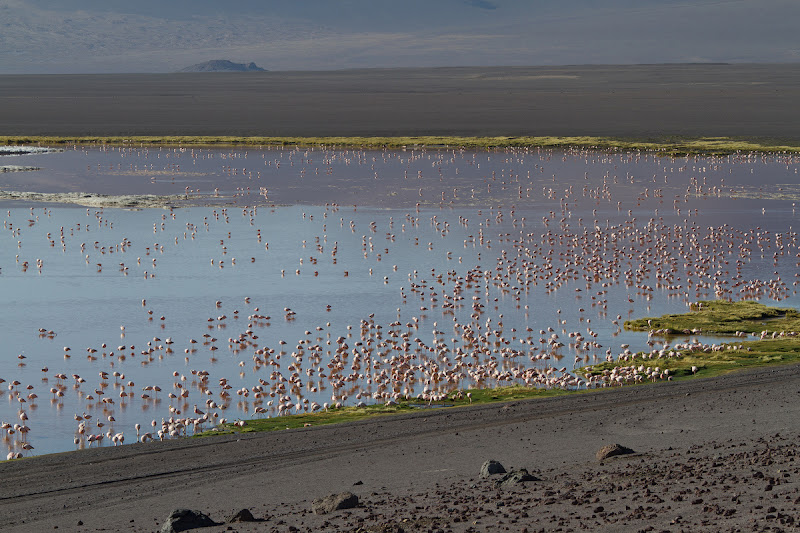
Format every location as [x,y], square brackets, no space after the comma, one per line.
[223,65]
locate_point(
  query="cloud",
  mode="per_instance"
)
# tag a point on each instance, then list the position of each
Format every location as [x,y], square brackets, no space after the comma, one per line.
[51,36]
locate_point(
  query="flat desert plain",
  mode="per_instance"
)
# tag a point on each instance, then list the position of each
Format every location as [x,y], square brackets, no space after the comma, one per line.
[631,101]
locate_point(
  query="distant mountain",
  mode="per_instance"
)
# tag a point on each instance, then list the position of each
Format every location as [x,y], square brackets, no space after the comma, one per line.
[222,65]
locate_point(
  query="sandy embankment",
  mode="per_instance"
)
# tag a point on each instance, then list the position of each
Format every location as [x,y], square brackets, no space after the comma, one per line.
[714,454]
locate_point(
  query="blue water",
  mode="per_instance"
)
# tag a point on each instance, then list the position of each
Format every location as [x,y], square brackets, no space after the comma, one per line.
[396,220]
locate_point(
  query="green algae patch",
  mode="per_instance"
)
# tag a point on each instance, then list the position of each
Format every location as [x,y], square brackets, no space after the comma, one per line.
[721,317]
[761,336]
[505,394]
[730,357]
[352,414]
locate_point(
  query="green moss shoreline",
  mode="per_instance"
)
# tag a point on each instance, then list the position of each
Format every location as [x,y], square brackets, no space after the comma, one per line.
[721,318]
[671,146]
[352,414]
[737,319]
[759,336]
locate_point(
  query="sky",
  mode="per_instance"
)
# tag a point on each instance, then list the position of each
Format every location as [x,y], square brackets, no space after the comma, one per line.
[117,36]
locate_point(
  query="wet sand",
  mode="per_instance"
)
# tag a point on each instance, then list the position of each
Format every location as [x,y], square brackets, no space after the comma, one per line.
[630,101]
[711,455]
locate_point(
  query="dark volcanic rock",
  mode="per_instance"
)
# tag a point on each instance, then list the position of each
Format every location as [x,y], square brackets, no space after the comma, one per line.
[610,450]
[491,467]
[184,519]
[242,516]
[328,504]
[222,65]
[515,477]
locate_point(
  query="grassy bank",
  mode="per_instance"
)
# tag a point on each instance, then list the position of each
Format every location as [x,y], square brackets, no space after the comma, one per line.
[721,318]
[664,146]
[713,317]
[691,363]
[350,414]
[775,343]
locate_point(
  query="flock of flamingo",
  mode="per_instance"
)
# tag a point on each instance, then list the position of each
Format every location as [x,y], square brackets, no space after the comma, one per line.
[516,277]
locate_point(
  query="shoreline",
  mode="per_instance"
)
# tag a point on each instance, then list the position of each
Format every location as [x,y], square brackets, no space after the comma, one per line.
[688,146]
[411,407]
[437,454]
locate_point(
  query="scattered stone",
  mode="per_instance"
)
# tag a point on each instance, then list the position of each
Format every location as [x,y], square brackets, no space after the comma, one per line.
[491,467]
[386,527]
[516,477]
[242,516]
[611,450]
[359,482]
[333,502]
[184,519]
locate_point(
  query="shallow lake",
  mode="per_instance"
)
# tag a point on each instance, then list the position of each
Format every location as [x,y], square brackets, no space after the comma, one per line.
[408,272]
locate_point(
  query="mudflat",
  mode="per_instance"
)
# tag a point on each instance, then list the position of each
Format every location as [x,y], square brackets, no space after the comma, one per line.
[643,101]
